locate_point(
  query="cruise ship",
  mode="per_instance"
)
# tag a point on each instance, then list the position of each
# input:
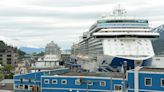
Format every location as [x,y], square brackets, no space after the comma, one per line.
[113,40]
[50,60]
[52,53]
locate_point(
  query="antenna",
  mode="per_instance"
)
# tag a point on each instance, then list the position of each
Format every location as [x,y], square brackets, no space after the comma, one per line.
[103,16]
[118,11]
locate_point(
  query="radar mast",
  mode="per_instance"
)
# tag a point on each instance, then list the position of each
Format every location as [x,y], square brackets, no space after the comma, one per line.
[118,11]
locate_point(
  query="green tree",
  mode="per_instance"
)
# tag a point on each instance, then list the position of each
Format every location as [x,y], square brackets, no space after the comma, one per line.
[9,76]
[1,62]
[40,54]
[34,54]
[7,68]
[1,76]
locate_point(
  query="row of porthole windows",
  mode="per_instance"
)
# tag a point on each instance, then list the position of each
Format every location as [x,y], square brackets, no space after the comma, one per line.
[55,81]
[77,82]
[29,80]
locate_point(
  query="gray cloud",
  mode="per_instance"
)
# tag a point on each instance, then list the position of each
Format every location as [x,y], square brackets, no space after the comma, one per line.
[70,3]
[36,22]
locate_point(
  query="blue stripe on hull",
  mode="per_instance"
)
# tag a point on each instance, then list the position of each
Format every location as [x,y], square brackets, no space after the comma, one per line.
[147,62]
[118,62]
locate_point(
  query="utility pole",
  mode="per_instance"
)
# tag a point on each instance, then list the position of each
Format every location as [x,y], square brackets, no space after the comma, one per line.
[111,83]
[87,86]
[124,75]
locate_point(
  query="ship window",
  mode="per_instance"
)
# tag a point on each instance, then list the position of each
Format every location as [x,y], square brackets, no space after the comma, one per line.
[20,86]
[117,87]
[26,87]
[125,21]
[31,87]
[54,81]
[77,82]
[46,81]
[157,59]
[162,82]
[16,87]
[102,83]
[64,81]
[90,83]
[148,81]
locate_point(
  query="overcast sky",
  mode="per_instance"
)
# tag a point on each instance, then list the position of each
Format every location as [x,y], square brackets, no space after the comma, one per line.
[34,23]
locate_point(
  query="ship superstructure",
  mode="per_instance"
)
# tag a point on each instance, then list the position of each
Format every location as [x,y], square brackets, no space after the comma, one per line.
[52,52]
[50,60]
[113,40]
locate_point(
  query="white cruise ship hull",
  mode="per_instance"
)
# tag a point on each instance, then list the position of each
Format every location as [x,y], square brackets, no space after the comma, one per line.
[110,63]
[110,54]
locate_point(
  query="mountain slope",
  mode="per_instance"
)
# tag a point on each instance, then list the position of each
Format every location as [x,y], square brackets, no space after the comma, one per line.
[158,44]
[30,50]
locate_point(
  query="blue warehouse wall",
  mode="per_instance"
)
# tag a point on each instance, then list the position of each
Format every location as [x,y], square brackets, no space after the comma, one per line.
[81,88]
[130,81]
[156,82]
[33,79]
[26,77]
